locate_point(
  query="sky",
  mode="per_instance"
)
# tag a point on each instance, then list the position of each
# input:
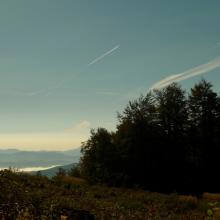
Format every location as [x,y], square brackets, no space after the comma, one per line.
[69,66]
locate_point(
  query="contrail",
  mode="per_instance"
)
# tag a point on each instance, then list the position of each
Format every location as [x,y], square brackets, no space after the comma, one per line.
[89,64]
[199,70]
[62,82]
[103,55]
[48,91]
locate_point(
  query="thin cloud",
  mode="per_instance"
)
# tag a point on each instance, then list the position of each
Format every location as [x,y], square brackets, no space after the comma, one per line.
[162,82]
[196,71]
[27,92]
[80,127]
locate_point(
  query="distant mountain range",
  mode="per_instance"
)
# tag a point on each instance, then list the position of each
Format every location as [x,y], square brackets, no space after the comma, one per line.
[23,159]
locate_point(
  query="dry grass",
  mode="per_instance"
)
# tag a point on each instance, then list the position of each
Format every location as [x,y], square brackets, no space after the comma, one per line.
[189,199]
[46,197]
[211,196]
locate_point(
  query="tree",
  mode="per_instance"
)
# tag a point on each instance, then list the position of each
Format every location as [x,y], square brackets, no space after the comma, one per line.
[172,120]
[136,139]
[204,117]
[61,172]
[75,171]
[164,141]
[98,161]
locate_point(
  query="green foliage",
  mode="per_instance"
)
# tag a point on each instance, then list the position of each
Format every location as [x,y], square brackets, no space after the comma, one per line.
[75,171]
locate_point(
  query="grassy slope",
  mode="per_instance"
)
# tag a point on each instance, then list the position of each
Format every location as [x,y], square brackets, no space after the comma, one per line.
[41,196]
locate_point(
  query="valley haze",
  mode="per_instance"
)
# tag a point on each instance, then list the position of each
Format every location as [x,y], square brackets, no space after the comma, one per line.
[37,160]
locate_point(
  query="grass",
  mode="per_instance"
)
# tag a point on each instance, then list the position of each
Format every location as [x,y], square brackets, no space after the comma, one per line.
[35,197]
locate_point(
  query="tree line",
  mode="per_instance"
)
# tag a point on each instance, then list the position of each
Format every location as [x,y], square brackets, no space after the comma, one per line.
[165,141]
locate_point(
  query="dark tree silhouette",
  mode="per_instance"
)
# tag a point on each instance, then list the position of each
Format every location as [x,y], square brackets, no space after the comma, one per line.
[204,134]
[98,161]
[172,119]
[164,141]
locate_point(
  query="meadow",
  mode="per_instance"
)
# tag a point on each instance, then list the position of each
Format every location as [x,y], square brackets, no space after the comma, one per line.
[26,197]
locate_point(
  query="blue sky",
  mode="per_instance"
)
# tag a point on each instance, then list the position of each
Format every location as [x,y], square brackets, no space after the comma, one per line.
[51,98]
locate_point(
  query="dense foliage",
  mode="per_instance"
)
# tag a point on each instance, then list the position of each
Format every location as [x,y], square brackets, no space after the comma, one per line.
[165,141]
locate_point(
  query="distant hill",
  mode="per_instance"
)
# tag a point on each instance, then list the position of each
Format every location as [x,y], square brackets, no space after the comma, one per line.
[75,152]
[53,171]
[8,151]
[22,159]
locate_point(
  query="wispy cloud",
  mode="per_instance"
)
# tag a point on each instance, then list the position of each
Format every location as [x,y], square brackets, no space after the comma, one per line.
[199,70]
[27,92]
[80,127]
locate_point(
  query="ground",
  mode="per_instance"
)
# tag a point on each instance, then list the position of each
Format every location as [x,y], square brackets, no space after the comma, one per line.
[36,197]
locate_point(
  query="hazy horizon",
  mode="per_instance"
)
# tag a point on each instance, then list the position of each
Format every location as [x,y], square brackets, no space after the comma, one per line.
[38,149]
[36,142]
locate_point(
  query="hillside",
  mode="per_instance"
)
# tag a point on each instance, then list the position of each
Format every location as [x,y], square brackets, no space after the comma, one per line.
[35,197]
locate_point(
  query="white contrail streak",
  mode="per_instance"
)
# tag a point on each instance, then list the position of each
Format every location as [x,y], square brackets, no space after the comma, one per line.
[103,55]
[89,64]
[199,70]
[48,91]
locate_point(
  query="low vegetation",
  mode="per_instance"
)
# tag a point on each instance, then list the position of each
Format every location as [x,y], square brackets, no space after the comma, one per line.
[29,197]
